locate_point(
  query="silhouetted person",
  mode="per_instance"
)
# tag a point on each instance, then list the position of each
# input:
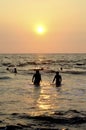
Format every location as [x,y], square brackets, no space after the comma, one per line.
[36,78]
[57,79]
[61,68]
[15,70]
[7,68]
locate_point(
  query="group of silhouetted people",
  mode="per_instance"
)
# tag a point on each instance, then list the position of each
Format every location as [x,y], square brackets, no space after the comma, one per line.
[37,78]
[14,70]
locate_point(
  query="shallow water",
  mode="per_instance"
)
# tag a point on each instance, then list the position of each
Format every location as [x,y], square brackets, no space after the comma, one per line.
[24,106]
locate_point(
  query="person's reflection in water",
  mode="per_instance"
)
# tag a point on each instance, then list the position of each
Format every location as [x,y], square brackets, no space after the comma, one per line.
[36,78]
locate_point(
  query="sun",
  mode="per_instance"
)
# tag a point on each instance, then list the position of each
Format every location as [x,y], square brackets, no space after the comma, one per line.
[40,29]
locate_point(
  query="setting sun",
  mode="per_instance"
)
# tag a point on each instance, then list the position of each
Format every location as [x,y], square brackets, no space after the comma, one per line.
[40,29]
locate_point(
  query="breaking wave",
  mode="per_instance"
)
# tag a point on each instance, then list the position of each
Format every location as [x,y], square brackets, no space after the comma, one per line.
[47,122]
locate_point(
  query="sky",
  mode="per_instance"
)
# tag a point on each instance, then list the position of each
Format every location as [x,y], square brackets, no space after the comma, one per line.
[63,22]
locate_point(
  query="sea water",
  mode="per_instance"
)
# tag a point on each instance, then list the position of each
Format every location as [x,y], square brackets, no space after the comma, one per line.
[25,106]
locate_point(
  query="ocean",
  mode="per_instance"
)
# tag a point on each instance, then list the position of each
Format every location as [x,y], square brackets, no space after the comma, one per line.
[45,107]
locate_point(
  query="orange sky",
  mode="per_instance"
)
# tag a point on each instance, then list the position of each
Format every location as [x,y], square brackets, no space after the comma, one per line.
[64,22]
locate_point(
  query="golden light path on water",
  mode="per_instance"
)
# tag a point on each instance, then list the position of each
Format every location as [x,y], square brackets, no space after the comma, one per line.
[42,100]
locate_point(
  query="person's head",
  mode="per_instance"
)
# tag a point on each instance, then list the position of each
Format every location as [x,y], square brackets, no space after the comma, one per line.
[7,68]
[37,71]
[57,73]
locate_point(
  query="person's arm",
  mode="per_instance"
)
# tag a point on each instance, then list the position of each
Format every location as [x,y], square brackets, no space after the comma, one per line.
[32,78]
[60,78]
[40,78]
[53,79]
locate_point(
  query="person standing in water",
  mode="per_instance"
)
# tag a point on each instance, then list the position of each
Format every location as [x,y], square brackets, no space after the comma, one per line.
[36,78]
[57,79]
[15,70]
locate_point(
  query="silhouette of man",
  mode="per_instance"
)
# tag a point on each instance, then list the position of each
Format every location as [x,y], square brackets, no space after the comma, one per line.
[36,78]
[57,79]
[15,70]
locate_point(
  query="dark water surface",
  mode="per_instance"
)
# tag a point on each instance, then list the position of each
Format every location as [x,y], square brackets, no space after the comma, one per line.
[24,106]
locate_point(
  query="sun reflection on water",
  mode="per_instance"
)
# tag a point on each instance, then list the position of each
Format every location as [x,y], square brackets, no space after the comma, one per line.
[42,100]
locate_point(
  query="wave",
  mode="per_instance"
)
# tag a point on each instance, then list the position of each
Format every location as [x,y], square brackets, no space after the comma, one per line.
[51,71]
[65,71]
[5,78]
[47,121]
[8,64]
[45,70]
[78,72]
[60,117]
[26,63]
